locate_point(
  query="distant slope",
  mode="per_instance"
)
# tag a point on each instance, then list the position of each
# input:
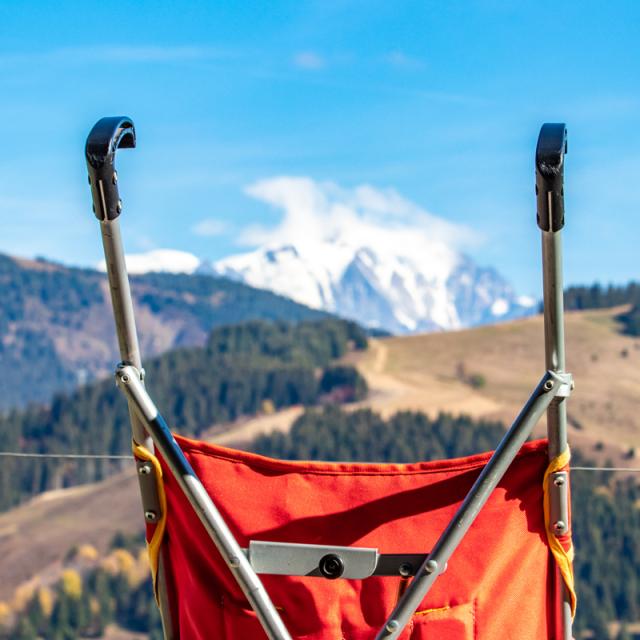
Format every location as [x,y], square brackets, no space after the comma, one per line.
[56,327]
[490,371]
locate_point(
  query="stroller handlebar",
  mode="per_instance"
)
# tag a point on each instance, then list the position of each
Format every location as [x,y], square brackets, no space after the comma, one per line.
[550,152]
[107,135]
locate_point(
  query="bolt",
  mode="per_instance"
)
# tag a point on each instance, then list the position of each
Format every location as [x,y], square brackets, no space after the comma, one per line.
[558,481]
[405,570]
[431,566]
[548,385]
[392,625]
[150,516]
[331,566]
[144,469]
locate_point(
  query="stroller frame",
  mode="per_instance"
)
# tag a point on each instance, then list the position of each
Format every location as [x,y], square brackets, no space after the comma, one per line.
[150,430]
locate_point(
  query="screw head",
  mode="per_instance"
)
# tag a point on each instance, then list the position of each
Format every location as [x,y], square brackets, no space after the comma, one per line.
[144,469]
[405,570]
[559,481]
[150,516]
[392,625]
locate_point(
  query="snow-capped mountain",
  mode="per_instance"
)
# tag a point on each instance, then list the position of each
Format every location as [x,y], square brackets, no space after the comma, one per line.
[363,253]
[387,290]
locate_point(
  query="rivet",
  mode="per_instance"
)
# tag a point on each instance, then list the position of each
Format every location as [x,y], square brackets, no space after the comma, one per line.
[405,570]
[119,206]
[559,481]
[234,562]
[392,625]
[559,526]
[150,516]
[125,378]
[548,385]
[431,566]
[114,179]
[144,469]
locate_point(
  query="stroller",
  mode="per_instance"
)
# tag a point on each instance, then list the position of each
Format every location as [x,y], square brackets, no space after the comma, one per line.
[244,546]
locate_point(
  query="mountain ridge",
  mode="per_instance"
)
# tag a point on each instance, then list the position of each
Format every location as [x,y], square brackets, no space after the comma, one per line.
[57,329]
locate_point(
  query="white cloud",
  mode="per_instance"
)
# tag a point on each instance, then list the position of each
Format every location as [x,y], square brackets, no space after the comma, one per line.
[403,60]
[209,227]
[116,53]
[309,60]
[323,211]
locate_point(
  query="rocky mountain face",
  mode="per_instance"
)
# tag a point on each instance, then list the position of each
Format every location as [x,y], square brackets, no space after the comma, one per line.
[383,289]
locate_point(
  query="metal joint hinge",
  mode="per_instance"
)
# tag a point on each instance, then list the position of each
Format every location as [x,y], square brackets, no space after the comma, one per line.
[140,372]
[562,381]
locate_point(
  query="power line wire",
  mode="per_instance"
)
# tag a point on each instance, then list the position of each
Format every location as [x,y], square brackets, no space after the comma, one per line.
[71,456]
[104,456]
[634,469]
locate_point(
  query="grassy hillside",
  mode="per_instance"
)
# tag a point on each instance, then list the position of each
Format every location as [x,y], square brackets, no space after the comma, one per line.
[490,371]
[56,327]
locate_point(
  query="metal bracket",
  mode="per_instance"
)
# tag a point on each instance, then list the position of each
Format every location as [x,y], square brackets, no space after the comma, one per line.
[149,491]
[328,561]
[559,502]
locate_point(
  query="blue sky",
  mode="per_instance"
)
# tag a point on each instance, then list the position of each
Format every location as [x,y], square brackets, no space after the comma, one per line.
[440,102]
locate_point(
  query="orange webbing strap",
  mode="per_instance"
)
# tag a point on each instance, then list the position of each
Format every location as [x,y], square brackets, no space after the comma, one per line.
[153,545]
[563,553]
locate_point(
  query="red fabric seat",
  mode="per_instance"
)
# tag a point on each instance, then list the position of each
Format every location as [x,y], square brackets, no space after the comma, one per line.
[498,585]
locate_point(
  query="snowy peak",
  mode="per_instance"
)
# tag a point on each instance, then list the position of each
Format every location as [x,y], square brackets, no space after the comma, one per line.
[387,291]
[159,260]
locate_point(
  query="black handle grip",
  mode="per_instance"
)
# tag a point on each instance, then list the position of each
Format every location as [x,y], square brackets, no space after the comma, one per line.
[550,152]
[107,135]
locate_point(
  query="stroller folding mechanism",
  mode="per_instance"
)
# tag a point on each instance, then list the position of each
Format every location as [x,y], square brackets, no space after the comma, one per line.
[243,546]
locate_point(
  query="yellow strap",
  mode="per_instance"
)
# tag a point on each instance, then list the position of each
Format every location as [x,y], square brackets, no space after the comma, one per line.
[563,557]
[153,545]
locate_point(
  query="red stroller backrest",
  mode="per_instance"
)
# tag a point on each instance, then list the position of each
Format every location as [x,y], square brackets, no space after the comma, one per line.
[498,585]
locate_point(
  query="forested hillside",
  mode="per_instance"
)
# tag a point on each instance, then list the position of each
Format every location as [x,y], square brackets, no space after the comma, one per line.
[242,369]
[606,527]
[597,296]
[56,328]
